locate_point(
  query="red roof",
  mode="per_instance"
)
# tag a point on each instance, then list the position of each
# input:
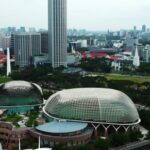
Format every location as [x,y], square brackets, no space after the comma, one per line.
[114,57]
[2,56]
[95,55]
[84,56]
[2,59]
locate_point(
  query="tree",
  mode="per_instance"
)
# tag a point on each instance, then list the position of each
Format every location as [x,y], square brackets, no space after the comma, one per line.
[134,135]
[102,144]
[118,139]
[60,147]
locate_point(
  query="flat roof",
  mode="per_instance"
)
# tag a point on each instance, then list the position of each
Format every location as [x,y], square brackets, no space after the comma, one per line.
[56,127]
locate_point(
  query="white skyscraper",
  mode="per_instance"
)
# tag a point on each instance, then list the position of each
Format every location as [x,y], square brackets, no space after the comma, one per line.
[136,59]
[57,32]
[8,62]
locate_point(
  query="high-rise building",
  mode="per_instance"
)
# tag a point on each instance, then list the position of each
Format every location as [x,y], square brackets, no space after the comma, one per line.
[57,32]
[146,53]
[134,28]
[143,28]
[44,42]
[32,29]
[12,51]
[22,29]
[1,40]
[26,45]
[6,43]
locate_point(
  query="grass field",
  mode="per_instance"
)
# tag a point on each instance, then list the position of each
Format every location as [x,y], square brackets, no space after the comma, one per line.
[138,79]
[4,79]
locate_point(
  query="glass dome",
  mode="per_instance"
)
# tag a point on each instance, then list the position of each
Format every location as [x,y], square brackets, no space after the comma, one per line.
[92,104]
[20,93]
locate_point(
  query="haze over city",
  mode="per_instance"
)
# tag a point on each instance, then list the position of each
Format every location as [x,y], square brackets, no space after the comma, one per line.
[87,14]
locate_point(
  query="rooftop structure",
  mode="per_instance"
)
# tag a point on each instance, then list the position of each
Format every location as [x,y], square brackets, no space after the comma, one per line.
[15,94]
[61,127]
[92,105]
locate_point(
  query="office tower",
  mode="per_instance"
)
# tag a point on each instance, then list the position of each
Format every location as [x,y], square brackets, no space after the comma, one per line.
[22,29]
[131,42]
[32,29]
[57,32]
[143,28]
[1,39]
[134,28]
[44,42]
[12,50]
[6,43]
[26,45]
[10,30]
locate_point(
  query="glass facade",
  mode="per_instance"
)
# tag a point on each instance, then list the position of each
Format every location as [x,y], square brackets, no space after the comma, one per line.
[20,93]
[92,104]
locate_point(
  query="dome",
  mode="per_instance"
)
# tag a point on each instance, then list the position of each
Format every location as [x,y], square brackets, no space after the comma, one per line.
[92,105]
[20,93]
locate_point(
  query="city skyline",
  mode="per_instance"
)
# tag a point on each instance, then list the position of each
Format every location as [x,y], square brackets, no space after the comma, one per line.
[104,15]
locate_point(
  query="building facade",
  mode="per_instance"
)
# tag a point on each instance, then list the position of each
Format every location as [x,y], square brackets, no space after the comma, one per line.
[146,53]
[26,45]
[57,26]
[44,42]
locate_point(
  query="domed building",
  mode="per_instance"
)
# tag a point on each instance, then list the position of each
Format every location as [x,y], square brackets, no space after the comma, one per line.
[17,96]
[97,105]
[75,115]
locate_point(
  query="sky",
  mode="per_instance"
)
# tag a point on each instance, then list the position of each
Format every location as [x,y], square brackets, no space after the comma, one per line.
[93,15]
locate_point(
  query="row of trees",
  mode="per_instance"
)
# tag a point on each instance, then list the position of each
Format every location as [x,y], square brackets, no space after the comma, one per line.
[54,81]
[96,65]
[114,140]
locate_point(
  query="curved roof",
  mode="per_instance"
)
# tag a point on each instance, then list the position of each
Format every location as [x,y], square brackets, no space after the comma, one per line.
[56,127]
[20,93]
[92,104]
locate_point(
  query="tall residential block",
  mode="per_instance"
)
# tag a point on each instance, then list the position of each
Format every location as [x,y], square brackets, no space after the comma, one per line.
[57,32]
[26,46]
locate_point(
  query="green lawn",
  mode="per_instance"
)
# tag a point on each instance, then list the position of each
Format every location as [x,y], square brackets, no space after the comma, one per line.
[131,78]
[4,79]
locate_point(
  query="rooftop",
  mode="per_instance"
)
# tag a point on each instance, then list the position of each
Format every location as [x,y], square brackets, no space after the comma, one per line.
[61,127]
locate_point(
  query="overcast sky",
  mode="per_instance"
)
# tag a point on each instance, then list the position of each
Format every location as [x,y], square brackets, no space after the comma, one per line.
[89,14]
